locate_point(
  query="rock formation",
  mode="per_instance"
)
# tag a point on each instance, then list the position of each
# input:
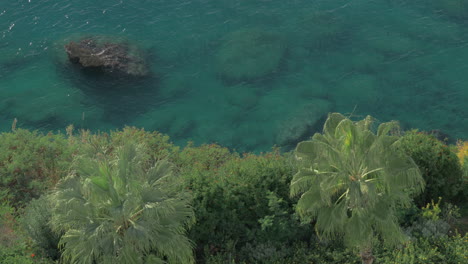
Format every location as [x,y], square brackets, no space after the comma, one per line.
[109,57]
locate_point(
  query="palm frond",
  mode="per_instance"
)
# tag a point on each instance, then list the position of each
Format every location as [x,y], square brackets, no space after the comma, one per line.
[113,211]
[350,178]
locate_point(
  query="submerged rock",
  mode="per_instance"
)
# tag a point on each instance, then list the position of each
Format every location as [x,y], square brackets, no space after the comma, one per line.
[107,56]
[249,54]
[302,123]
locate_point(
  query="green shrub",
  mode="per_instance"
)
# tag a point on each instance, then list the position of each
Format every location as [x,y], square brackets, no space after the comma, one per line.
[156,145]
[7,225]
[438,164]
[430,240]
[30,163]
[209,157]
[16,255]
[462,153]
[435,220]
[242,204]
[36,222]
[14,245]
[447,250]
[318,253]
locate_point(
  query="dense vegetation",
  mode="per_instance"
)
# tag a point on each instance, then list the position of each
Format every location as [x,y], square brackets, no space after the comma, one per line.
[351,194]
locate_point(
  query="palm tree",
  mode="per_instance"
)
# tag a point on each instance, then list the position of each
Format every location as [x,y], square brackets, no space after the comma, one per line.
[350,180]
[111,210]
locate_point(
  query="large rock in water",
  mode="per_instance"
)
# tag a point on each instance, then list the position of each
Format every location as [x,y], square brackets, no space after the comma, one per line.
[119,58]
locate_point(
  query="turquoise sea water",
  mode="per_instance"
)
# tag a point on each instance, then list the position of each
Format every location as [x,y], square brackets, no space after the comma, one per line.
[246,74]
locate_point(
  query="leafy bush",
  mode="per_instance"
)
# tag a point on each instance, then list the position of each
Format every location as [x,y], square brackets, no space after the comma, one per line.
[301,253]
[16,255]
[438,164]
[462,153]
[447,250]
[204,158]
[36,222]
[14,245]
[241,204]
[30,163]
[323,253]
[156,146]
[7,225]
[434,220]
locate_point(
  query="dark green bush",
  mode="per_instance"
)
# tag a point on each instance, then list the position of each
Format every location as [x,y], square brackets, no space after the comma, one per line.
[447,250]
[30,163]
[16,254]
[242,204]
[301,253]
[435,220]
[204,158]
[36,222]
[438,164]
[14,244]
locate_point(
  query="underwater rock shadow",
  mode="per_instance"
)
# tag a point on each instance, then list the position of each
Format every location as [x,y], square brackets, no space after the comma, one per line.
[11,66]
[122,98]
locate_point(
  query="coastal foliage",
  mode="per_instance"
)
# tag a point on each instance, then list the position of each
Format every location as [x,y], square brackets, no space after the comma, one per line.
[448,250]
[439,166]
[462,151]
[241,202]
[111,210]
[36,222]
[30,163]
[350,180]
[14,243]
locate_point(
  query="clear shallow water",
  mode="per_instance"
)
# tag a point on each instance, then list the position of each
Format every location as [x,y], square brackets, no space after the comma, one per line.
[395,60]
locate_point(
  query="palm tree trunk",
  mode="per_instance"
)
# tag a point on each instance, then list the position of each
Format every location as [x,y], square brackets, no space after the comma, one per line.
[366,256]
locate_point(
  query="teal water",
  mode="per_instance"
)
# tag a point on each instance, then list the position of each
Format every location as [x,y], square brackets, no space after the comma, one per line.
[246,74]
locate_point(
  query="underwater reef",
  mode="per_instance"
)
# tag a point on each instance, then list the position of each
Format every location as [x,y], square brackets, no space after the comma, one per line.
[108,56]
[249,54]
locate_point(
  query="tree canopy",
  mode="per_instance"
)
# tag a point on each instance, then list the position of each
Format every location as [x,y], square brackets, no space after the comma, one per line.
[350,180]
[111,210]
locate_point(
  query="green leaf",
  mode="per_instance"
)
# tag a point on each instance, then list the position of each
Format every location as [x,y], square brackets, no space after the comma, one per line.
[332,122]
[100,182]
[161,169]
[385,128]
